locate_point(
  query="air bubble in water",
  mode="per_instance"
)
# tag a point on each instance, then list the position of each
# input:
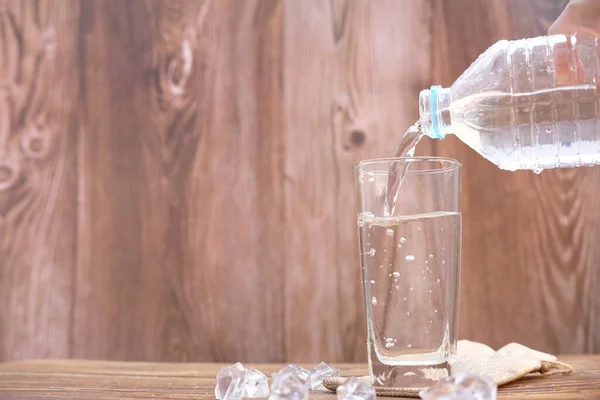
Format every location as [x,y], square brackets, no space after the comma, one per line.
[409,345]
[389,344]
[409,257]
[431,256]
[407,313]
[402,240]
[371,281]
[389,232]
[538,170]
[372,252]
[374,300]
[396,274]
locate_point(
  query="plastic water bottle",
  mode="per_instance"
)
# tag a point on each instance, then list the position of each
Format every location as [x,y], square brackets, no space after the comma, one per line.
[525,104]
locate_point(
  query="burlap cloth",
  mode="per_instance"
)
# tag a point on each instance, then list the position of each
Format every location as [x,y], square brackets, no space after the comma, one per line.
[508,364]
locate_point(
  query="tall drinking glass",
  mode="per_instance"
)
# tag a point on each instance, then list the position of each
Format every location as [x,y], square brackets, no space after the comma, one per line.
[410,259]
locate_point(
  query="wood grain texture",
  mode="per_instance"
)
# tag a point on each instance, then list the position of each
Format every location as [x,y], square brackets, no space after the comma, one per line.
[343,57]
[38,103]
[180,225]
[177,184]
[51,379]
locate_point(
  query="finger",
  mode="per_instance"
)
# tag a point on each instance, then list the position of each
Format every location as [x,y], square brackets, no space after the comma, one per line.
[579,16]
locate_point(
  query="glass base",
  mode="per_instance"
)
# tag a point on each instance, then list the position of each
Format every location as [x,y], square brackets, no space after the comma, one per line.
[414,376]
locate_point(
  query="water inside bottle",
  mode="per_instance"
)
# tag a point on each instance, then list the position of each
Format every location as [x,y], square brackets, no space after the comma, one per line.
[537,130]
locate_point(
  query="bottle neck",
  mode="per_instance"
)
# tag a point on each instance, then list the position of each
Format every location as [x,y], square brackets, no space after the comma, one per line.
[434,112]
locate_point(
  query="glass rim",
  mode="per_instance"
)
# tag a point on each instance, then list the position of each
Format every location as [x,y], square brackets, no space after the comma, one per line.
[452,164]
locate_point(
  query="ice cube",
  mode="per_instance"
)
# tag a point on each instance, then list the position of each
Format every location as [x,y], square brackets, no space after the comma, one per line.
[230,381]
[302,374]
[320,372]
[256,384]
[287,386]
[355,389]
[461,386]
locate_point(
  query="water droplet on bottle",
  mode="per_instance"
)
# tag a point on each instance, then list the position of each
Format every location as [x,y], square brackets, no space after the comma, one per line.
[409,257]
[366,216]
[389,232]
[402,240]
[396,274]
[389,344]
[372,252]
[374,300]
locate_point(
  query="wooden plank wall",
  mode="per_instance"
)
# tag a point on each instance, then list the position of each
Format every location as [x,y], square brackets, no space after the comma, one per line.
[176,179]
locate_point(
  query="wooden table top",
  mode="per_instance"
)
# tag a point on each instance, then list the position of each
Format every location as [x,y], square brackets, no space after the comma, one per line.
[59,379]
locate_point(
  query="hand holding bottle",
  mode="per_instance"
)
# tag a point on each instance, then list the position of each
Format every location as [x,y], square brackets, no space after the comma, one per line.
[580,16]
